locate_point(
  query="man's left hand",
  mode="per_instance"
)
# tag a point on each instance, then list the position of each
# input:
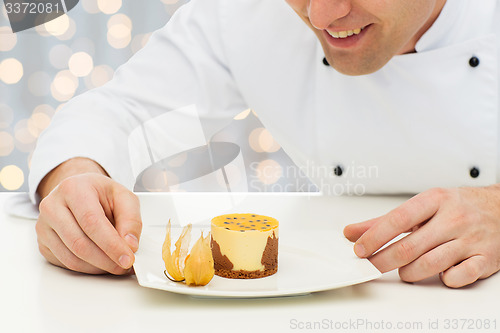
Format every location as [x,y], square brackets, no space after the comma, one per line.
[452,232]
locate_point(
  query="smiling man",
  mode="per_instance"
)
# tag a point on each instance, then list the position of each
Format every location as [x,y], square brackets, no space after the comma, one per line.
[359,37]
[407,87]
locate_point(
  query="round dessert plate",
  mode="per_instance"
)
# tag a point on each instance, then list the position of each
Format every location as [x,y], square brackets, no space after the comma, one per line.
[308,261]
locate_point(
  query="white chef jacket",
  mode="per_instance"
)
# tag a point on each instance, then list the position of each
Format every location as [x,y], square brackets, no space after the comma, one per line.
[424,120]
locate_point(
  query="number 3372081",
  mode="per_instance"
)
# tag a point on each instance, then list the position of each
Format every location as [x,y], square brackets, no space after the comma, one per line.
[31,8]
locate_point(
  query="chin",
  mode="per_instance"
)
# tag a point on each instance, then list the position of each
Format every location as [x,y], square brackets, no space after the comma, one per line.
[356,68]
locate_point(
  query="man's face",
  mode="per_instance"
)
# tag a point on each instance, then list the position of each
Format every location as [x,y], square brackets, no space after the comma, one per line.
[378,29]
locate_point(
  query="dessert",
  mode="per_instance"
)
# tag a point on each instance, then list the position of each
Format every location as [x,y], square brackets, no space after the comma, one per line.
[244,246]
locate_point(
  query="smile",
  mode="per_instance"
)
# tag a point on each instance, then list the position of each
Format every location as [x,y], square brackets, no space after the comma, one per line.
[345,34]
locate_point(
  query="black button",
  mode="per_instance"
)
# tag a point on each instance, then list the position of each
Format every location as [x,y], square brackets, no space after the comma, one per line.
[474,172]
[474,62]
[325,62]
[338,171]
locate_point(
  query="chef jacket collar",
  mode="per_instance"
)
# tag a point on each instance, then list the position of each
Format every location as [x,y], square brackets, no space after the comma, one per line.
[441,32]
[459,21]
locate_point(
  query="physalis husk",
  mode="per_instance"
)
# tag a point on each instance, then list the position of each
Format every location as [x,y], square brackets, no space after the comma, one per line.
[197,268]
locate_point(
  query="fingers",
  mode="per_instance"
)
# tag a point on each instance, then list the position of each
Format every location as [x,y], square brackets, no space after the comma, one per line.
[68,230]
[60,255]
[412,213]
[467,272]
[433,262]
[411,247]
[127,217]
[353,231]
[92,220]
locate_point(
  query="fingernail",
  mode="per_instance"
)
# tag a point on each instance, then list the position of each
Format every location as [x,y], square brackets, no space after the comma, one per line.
[131,240]
[124,261]
[360,251]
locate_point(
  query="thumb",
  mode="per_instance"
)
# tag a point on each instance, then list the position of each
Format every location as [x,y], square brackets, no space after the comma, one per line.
[127,216]
[353,231]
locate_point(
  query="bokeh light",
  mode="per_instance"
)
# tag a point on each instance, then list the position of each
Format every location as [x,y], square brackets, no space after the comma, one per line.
[242,115]
[120,19]
[58,26]
[269,171]
[37,123]
[170,2]
[11,177]
[8,39]
[6,116]
[59,56]
[119,35]
[6,144]
[80,64]
[25,141]
[44,108]
[139,41]
[109,6]
[11,71]
[39,83]
[90,6]
[70,32]
[99,76]
[267,142]
[64,86]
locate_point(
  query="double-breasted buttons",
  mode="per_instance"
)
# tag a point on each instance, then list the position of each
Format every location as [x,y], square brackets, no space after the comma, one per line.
[474,62]
[474,172]
[338,171]
[325,62]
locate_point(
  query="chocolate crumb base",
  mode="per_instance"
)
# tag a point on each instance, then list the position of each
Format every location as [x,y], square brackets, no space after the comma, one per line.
[242,274]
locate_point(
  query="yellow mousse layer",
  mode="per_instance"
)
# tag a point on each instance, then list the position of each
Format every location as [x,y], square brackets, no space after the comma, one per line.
[242,238]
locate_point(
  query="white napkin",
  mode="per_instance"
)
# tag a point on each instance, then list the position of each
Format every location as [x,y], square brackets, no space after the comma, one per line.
[20,205]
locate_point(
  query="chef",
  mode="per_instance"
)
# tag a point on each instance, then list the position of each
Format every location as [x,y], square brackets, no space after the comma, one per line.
[407,88]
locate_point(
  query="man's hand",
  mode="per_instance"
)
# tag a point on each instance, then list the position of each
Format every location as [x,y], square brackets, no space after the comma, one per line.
[455,232]
[89,223]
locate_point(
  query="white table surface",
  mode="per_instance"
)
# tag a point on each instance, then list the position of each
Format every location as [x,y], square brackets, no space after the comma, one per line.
[38,297]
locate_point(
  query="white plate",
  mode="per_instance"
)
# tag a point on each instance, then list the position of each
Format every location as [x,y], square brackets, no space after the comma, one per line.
[308,261]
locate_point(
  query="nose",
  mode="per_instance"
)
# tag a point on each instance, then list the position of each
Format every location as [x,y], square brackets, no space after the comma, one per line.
[322,13]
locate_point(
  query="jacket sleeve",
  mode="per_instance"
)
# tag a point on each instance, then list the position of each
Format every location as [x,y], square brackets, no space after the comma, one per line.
[182,64]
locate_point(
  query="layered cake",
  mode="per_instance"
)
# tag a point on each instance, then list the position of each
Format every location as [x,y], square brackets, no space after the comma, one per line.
[244,246]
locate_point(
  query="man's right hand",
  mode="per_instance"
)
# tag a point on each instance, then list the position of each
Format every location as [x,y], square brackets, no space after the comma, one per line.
[91,224]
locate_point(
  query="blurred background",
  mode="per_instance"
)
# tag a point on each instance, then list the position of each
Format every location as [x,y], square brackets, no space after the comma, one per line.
[43,67]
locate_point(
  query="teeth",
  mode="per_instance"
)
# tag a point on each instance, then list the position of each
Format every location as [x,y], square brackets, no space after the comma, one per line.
[344,34]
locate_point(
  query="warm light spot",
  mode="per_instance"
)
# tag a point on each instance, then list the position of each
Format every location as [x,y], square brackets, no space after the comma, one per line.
[11,70]
[170,2]
[44,108]
[59,56]
[6,116]
[37,123]
[99,76]
[6,144]
[119,36]
[109,6]
[267,142]
[58,26]
[80,64]
[11,177]
[269,171]
[70,32]
[254,139]
[39,84]
[243,115]
[59,107]
[64,86]
[139,42]
[90,6]
[8,39]
[120,19]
